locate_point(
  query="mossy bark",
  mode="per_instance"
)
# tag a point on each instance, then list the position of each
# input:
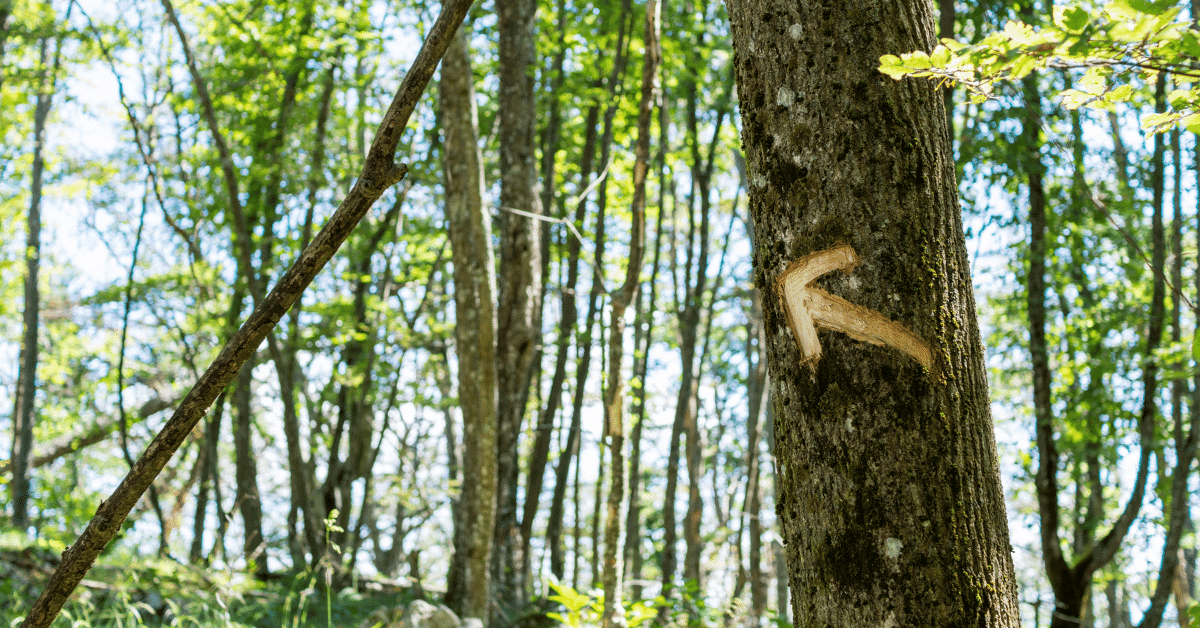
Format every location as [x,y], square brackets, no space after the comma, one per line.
[889,497]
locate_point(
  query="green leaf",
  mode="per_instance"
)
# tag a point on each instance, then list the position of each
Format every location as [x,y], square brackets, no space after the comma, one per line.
[917,60]
[1151,7]
[892,66]
[940,57]
[1121,93]
[1192,123]
[1023,66]
[1074,20]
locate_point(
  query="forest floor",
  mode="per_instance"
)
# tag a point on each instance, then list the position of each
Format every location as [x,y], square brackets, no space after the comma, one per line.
[125,591]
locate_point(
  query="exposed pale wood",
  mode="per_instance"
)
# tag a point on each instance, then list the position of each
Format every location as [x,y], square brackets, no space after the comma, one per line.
[810,307]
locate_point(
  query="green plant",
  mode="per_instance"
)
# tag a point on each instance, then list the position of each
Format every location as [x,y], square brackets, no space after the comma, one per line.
[585,610]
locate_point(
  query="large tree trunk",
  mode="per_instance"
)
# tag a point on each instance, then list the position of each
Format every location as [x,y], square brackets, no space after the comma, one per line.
[517,331]
[470,227]
[890,493]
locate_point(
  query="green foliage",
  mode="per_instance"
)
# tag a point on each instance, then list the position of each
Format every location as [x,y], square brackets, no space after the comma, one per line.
[586,610]
[1122,42]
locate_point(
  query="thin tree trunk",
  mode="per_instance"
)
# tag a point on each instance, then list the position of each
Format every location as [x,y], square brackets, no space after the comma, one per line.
[758,397]
[470,229]
[890,495]
[518,334]
[540,453]
[23,405]
[249,502]
[584,343]
[946,20]
[23,410]
[1185,447]
[209,479]
[562,471]
[644,317]
[6,7]
[614,398]
[1071,583]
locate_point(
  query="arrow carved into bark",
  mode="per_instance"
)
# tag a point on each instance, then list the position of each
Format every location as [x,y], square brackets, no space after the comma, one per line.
[809,307]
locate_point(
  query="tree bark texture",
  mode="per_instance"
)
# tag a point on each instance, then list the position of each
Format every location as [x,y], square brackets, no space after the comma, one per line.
[379,172]
[517,327]
[470,227]
[889,498]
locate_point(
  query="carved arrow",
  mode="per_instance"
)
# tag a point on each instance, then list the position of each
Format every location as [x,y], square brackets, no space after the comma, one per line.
[809,307]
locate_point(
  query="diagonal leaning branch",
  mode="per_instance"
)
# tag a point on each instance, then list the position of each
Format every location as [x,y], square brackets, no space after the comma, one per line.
[379,172]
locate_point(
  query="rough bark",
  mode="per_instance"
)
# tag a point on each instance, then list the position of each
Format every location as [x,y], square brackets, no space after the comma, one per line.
[470,227]
[614,397]
[378,173]
[518,336]
[890,495]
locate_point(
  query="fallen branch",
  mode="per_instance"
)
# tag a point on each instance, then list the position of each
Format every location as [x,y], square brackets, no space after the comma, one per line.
[379,173]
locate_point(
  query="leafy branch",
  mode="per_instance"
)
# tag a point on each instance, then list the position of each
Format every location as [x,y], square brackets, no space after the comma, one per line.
[1126,39]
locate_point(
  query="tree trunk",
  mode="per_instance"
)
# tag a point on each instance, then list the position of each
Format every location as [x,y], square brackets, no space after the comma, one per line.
[248,501]
[614,398]
[584,342]
[517,331]
[470,227]
[6,7]
[23,410]
[1071,583]
[758,397]
[544,432]
[890,494]
[1185,450]
[562,471]
[946,20]
[379,172]
[209,480]
[643,340]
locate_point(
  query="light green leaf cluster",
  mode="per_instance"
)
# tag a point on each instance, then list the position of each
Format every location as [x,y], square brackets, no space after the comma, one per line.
[1125,40]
